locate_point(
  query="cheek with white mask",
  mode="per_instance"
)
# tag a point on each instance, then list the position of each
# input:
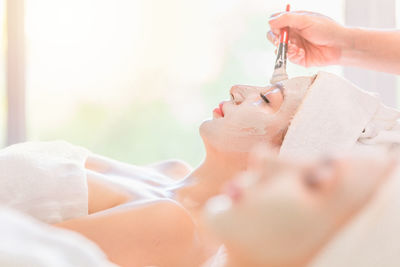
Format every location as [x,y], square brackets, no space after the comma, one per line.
[242,127]
[247,121]
[241,131]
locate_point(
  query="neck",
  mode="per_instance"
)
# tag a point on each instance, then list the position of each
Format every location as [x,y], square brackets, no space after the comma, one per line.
[233,260]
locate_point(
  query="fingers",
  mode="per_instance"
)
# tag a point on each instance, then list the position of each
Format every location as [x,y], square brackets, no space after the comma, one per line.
[298,57]
[293,20]
[292,41]
[294,38]
[295,54]
[301,12]
[276,14]
[272,38]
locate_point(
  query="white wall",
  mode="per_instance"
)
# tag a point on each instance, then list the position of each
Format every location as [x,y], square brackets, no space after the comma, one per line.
[372,14]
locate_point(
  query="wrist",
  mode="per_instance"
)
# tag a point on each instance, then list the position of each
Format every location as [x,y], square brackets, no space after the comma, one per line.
[352,39]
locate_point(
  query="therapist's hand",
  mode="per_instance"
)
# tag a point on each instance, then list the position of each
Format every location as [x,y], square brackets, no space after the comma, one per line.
[314,39]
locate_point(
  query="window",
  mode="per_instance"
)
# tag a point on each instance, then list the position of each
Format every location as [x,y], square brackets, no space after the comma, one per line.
[397,13]
[133,79]
[398,27]
[3,104]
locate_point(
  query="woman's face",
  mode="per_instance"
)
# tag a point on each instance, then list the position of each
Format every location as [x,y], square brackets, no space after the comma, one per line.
[253,115]
[281,213]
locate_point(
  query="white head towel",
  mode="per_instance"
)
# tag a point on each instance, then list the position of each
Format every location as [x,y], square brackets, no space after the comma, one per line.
[333,116]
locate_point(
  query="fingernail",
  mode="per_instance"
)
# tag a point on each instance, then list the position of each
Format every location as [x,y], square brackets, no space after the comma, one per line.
[272,35]
[274,16]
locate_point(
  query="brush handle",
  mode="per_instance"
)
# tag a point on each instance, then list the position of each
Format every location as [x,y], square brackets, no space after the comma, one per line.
[281,56]
[284,35]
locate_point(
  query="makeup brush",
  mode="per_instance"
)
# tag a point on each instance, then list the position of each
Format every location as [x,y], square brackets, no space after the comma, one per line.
[280,62]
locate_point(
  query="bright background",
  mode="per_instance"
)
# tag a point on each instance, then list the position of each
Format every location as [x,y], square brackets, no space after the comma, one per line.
[134,79]
[3,105]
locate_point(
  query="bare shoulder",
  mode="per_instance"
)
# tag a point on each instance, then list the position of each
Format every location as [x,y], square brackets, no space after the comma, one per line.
[157,233]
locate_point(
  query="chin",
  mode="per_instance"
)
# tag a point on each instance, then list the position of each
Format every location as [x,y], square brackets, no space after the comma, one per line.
[217,138]
[210,132]
[204,126]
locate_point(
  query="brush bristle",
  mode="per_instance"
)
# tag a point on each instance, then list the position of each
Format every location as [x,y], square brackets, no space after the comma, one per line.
[279,75]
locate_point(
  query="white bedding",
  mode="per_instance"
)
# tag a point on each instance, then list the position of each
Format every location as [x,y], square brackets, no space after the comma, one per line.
[27,242]
[46,180]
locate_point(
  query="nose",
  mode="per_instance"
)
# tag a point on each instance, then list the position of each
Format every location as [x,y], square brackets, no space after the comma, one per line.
[240,92]
[236,95]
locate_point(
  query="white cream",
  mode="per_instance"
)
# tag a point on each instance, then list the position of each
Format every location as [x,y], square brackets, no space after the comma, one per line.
[279,75]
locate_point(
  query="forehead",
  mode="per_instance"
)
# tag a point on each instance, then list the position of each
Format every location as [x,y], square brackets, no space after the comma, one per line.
[258,89]
[276,86]
[297,85]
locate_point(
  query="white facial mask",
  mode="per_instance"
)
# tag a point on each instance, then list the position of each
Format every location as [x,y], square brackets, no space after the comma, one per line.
[248,124]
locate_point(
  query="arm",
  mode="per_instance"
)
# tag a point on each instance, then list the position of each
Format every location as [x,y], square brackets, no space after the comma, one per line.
[372,49]
[316,40]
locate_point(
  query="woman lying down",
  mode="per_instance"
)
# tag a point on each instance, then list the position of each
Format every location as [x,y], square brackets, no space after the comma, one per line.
[280,213]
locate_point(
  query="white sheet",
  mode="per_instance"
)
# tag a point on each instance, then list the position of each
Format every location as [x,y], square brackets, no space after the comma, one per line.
[25,242]
[46,180]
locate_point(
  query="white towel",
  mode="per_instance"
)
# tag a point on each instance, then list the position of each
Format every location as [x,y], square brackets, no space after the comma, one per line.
[333,116]
[26,242]
[46,180]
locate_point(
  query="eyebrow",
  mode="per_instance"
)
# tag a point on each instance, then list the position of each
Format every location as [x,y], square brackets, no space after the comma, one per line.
[273,91]
[279,86]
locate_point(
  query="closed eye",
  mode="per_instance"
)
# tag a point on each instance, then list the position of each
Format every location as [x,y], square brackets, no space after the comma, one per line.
[264,98]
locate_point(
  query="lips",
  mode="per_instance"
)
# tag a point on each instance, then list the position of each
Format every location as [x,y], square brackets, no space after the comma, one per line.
[219,110]
[220,107]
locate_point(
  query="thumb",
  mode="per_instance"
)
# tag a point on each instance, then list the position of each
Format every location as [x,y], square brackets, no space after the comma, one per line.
[293,20]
